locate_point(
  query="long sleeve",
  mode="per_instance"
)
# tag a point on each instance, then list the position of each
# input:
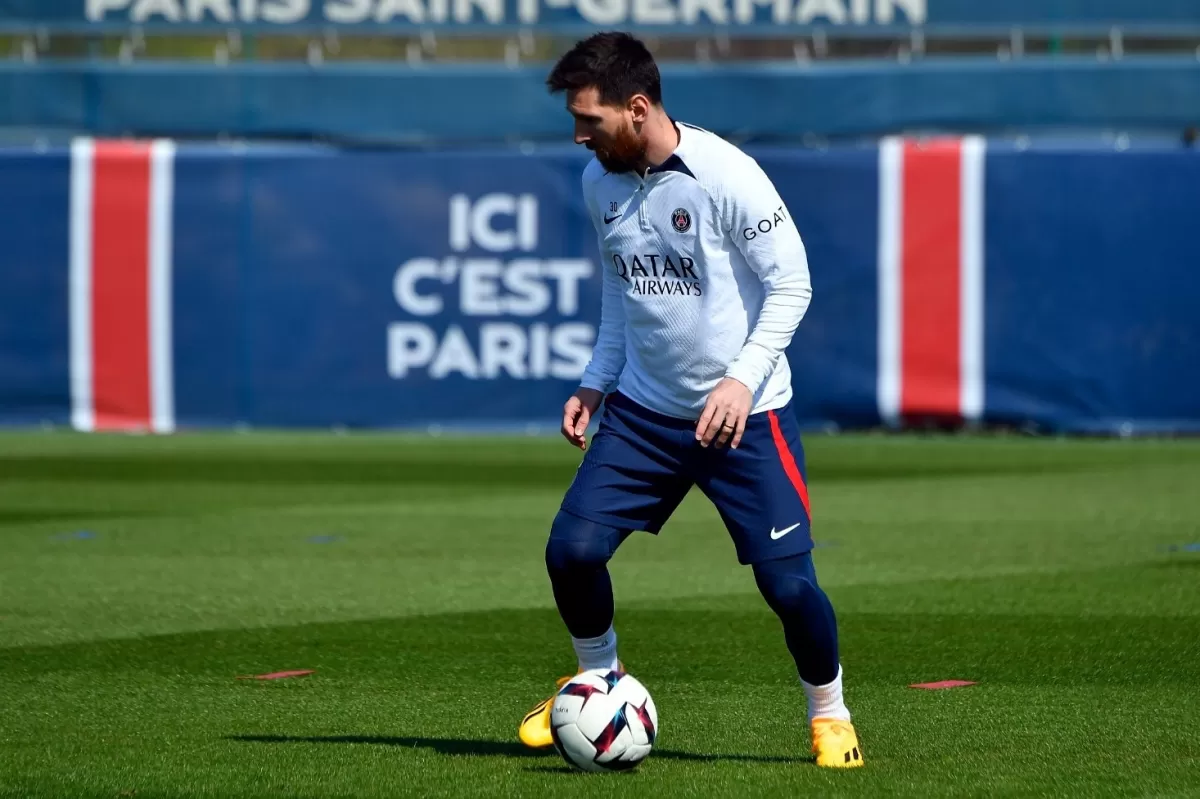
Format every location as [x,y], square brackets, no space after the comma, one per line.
[763,230]
[608,354]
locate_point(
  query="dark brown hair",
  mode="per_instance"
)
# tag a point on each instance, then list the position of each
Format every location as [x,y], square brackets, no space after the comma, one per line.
[617,64]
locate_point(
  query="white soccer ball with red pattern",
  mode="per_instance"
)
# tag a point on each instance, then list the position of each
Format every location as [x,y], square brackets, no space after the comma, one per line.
[603,720]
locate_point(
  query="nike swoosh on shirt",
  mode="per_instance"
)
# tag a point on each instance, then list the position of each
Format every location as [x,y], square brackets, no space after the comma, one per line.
[777,534]
[608,220]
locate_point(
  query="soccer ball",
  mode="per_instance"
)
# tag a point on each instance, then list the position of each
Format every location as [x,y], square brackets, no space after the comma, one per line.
[603,720]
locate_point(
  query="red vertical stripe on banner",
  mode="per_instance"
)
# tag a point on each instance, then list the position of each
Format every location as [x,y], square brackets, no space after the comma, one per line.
[120,285]
[930,279]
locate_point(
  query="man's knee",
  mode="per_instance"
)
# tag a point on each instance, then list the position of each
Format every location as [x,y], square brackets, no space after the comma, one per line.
[577,544]
[788,584]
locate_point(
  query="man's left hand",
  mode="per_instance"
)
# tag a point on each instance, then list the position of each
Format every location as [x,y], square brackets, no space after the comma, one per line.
[724,417]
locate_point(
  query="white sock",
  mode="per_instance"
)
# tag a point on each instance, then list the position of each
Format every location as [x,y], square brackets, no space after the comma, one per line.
[825,701]
[597,653]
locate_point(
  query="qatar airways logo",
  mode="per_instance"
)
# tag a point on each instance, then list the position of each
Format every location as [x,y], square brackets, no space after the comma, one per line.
[658,275]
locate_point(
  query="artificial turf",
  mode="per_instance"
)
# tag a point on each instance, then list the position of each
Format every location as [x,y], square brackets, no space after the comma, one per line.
[140,576]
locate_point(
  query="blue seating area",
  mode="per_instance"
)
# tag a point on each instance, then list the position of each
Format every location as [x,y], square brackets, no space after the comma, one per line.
[397,104]
[426,72]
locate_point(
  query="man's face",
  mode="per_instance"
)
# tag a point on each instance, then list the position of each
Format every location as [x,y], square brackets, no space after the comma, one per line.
[608,131]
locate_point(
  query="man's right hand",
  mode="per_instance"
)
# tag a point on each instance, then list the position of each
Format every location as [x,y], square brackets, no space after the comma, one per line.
[578,412]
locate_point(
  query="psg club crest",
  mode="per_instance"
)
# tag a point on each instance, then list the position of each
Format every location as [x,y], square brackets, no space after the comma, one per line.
[681,220]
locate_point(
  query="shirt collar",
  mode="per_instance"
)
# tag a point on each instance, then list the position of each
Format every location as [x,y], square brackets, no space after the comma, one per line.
[676,161]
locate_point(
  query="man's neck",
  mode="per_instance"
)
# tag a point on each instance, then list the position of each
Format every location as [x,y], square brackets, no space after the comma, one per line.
[662,137]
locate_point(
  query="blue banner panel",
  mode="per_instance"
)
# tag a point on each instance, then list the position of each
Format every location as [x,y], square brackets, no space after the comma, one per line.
[578,14]
[372,288]
[1093,295]
[833,197]
[34,257]
[212,221]
[384,289]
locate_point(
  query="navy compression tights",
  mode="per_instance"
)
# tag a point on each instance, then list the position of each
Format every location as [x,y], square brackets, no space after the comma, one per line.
[577,556]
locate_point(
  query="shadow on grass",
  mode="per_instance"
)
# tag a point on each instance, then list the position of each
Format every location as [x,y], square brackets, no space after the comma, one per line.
[464,746]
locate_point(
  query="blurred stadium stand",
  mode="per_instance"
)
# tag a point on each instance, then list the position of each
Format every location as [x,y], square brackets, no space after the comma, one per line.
[365,71]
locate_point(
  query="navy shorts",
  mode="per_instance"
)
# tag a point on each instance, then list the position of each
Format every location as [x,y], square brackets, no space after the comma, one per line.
[641,465]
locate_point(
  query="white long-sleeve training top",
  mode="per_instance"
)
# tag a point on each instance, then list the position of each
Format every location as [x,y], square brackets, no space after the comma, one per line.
[704,276]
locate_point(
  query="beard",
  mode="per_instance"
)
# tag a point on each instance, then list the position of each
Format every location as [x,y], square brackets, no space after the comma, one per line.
[624,152]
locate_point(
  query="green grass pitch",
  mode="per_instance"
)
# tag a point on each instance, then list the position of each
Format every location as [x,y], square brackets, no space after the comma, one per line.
[140,576]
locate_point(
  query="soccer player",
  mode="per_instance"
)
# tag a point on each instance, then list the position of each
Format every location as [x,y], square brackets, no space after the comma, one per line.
[705,280]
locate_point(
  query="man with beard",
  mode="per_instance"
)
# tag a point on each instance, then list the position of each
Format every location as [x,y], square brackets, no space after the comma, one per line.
[705,280]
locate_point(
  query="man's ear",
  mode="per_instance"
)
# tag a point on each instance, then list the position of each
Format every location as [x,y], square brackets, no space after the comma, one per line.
[639,108]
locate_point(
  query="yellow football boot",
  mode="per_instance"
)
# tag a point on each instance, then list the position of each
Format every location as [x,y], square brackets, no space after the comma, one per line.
[534,731]
[835,744]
